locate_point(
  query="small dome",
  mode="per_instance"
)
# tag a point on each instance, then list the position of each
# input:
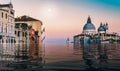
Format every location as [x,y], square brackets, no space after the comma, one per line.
[101,28]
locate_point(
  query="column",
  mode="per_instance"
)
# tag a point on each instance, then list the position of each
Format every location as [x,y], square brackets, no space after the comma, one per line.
[12,47]
[28,42]
[4,48]
[0,48]
[7,48]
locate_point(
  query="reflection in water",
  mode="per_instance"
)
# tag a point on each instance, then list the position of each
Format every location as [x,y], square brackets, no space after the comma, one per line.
[97,54]
[82,56]
[24,60]
[21,59]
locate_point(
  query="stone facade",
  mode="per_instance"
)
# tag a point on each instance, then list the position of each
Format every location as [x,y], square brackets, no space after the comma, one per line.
[7,36]
[32,33]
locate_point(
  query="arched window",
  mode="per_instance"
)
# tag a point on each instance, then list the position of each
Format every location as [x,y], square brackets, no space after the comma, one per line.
[2,15]
[6,16]
[6,27]
[18,33]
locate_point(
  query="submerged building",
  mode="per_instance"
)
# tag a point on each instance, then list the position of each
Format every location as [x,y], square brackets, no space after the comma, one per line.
[102,32]
[97,42]
[28,36]
[22,40]
[7,36]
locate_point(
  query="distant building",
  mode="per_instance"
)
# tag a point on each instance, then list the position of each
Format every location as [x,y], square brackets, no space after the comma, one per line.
[7,36]
[30,33]
[97,43]
[102,32]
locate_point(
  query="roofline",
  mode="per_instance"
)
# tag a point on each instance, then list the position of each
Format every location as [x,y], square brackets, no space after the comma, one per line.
[6,5]
[29,20]
[4,10]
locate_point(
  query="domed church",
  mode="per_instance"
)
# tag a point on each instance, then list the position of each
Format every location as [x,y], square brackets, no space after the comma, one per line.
[101,32]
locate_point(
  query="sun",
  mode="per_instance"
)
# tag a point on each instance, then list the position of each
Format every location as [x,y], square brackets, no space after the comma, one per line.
[49,10]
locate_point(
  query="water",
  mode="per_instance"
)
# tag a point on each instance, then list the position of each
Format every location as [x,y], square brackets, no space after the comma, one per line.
[66,57]
[63,56]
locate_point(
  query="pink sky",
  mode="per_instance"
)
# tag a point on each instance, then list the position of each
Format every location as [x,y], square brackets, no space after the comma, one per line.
[64,18]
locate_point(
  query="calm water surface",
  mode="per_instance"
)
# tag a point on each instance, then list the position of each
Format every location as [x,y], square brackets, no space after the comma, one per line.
[63,56]
[57,57]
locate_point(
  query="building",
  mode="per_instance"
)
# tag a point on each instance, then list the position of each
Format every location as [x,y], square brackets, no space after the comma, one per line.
[102,32]
[22,40]
[97,42]
[28,31]
[36,24]
[7,36]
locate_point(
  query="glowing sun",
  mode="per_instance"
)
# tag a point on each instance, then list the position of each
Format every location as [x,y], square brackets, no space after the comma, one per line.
[49,10]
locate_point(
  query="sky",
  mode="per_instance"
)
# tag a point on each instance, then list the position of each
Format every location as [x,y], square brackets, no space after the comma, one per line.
[66,18]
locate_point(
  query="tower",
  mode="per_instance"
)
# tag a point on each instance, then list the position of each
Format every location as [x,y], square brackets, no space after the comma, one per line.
[107,27]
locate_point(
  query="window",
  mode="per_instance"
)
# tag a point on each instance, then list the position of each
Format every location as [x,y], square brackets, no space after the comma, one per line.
[18,33]
[6,41]
[11,12]
[6,16]
[2,15]
[6,28]
[11,28]
[23,34]
[15,32]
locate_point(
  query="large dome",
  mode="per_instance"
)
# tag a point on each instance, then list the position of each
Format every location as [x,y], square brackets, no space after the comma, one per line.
[89,25]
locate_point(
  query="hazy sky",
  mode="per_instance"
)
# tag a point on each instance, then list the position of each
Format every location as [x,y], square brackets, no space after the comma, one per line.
[66,18]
